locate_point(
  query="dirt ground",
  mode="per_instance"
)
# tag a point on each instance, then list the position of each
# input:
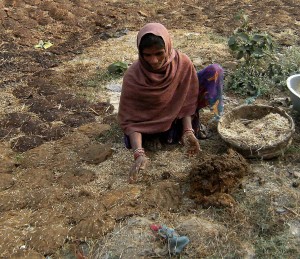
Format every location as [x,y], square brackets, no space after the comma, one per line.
[63,168]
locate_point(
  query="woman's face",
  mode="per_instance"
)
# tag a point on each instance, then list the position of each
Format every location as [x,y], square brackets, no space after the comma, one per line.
[155,57]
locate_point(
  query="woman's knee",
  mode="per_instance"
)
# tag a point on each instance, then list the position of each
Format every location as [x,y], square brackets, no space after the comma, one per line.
[217,68]
[211,70]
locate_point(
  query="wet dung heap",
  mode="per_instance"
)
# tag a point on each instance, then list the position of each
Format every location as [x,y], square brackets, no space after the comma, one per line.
[215,177]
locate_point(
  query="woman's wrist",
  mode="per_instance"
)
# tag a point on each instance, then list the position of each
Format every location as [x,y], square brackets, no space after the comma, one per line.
[187,125]
[138,152]
[188,130]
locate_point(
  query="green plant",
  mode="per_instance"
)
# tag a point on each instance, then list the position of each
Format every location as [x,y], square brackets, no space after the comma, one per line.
[284,64]
[117,68]
[249,79]
[293,149]
[103,75]
[248,44]
[19,157]
[100,77]
[262,67]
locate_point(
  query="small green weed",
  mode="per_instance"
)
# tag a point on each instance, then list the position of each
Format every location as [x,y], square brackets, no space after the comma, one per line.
[284,64]
[113,71]
[293,149]
[100,77]
[275,247]
[117,68]
[19,157]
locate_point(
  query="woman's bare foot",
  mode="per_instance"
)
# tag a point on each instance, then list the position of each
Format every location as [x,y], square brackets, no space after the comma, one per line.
[191,142]
[153,144]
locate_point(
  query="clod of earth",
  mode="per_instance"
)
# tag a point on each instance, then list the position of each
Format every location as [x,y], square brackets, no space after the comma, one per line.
[14,120]
[95,153]
[76,177]
[24,143]
[34,127]
[94,129]
[7,164]
[6,181]
[79,118]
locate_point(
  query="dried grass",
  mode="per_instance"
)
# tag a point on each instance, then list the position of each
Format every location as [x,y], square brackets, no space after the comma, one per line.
[265,131]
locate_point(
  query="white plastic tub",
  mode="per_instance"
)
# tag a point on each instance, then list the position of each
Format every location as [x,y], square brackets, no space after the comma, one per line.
[293,84]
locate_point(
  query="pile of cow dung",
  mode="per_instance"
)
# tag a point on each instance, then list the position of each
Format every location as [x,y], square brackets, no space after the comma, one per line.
[215,177]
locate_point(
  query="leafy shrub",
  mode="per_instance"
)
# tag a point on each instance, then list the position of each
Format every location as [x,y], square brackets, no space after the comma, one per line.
[248,44]
[262,66]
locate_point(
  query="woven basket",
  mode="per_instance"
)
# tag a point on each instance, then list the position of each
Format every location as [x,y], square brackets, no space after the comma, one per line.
[256,112]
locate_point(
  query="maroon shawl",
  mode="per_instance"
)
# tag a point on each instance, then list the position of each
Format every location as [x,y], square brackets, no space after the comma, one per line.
[151,100]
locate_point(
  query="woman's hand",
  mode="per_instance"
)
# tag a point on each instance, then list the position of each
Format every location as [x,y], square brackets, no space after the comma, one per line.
[191,142]
[139,164]
[140,159]
[188,137]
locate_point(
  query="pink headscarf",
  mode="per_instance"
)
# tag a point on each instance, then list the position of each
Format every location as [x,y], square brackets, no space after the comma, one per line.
[151,100]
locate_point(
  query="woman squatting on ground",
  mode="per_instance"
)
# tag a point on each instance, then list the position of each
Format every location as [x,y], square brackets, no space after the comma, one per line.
[162,94]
